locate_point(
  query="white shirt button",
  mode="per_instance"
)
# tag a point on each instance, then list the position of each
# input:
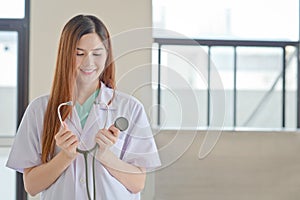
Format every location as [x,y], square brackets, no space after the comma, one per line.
[82,181]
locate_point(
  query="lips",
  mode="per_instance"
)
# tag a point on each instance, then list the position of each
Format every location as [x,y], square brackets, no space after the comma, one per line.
[88,71]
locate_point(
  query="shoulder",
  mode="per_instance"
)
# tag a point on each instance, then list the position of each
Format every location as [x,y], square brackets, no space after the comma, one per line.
[41,100]
[128,99]
[38,104]
[32,120]
[121,98]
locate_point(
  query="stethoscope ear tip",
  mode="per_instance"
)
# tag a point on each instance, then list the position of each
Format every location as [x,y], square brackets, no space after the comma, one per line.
[69,103]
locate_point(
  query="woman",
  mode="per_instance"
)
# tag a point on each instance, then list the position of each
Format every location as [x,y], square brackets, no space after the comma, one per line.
[47,151]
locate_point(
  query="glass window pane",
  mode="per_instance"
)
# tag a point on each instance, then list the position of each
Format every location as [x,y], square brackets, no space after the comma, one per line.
[223,60]
[184,86]
[229,19]
[8,82]
[259,87]
[8,177]
[12,9]
[291,87]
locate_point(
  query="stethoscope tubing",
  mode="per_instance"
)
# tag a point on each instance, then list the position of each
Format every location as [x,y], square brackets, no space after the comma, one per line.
[121,123]
[86,152]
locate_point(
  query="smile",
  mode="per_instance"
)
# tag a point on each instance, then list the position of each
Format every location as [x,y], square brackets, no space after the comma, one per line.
[88,71]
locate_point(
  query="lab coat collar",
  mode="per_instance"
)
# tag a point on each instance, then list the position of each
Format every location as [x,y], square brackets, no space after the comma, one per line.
[104,96]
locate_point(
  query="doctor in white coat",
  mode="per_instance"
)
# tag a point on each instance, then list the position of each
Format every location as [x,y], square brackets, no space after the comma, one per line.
[47,151]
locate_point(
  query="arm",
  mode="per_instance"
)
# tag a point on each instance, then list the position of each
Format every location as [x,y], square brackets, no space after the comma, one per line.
[39,178]
[132,177]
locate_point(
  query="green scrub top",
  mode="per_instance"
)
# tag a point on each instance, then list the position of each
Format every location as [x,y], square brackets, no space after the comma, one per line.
[84,109]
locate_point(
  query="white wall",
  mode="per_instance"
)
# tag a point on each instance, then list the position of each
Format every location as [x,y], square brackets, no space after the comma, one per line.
[121,17]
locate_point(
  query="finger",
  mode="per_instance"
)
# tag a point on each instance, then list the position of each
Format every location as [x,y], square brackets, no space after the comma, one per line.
[65,140]
[73,146]
[70,141]
[60,133]
[63,129]
[58,139]
[109,135]
[100,142]
[65,136]
[115,131]
[105,139]
[65,125]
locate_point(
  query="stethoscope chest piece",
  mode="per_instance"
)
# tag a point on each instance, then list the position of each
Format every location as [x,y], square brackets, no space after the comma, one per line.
[121,123]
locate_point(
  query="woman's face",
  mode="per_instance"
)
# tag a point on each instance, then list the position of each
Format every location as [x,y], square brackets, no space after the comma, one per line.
[90,59]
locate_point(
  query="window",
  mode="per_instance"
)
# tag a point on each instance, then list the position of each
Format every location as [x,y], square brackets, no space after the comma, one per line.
[8,82]
[14,48]
[12,9]
[230,60]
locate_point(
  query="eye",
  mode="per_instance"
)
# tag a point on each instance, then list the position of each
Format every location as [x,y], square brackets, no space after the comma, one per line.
[97,54]
[79,54]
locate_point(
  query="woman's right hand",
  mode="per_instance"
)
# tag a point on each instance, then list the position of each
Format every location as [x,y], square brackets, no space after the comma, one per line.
[38,178]
[67,141]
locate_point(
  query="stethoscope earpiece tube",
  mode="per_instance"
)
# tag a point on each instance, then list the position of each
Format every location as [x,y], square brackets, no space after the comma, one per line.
[68,103]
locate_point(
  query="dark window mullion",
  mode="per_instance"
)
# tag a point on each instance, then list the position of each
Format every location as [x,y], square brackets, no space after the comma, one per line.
[283,85]
[22,84]
[22,87]
[159,85]
[298,87]
[208,85]
[234,85]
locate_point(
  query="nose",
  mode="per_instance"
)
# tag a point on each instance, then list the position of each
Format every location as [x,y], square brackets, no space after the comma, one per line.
[88,60]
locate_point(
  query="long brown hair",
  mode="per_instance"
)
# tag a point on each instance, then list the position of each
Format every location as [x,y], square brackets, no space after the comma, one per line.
[64,83]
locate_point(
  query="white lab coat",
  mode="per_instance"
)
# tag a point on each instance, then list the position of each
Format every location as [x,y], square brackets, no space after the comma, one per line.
[139,150]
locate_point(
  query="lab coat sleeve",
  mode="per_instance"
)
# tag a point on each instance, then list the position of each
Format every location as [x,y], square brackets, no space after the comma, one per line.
[140,147]
[26,149]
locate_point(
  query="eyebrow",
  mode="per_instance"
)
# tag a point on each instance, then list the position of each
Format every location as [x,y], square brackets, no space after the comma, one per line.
[97,49]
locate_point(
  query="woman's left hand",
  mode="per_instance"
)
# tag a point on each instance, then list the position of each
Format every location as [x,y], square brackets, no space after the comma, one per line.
[106,138]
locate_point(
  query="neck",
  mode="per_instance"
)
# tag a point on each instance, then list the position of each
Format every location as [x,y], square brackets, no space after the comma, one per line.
[85,91]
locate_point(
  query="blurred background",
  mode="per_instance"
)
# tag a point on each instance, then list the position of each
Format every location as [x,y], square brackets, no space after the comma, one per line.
[216,77]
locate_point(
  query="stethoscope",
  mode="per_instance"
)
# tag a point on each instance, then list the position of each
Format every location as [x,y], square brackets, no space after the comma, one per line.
[121,123]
